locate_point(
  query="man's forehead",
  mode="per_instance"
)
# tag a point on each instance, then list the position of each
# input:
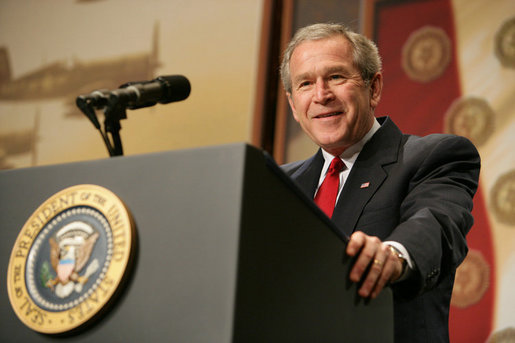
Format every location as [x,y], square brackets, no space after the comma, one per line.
[337,48]
[327,58]
[335,39]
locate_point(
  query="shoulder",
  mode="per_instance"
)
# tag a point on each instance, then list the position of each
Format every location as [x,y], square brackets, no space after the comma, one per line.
[292,167]
[441,145]
[417,144]
[299,167]
[443,157]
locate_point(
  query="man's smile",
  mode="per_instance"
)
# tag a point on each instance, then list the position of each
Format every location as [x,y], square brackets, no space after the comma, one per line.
[328,115]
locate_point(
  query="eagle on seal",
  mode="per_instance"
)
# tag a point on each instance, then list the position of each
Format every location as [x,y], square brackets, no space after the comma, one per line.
[70,251]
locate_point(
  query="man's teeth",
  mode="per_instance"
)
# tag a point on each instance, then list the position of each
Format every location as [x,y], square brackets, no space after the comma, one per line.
[328,115]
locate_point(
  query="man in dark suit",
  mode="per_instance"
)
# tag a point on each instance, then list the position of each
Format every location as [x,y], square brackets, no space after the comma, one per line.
[404,200]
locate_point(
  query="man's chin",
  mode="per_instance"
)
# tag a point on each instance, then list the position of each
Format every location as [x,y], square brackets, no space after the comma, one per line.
[334,148]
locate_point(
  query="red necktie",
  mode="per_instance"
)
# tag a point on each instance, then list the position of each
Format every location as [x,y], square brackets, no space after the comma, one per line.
[326,195]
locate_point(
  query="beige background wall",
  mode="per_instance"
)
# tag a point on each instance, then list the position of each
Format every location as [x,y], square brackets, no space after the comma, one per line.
[213,43]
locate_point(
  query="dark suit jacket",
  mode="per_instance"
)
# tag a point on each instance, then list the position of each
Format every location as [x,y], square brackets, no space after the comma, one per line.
[419,194]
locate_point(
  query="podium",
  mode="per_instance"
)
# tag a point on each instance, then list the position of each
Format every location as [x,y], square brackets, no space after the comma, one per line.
[228,250]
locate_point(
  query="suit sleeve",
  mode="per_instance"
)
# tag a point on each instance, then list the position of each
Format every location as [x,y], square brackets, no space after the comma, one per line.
[435,215]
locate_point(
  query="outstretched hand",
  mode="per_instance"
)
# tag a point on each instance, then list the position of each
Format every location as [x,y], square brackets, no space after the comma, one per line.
[385,267]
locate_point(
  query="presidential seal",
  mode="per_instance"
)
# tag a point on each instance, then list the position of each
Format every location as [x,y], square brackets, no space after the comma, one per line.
[70,259]
[505,43]
[502,198]
[472,280]
[470,117]
[426,54]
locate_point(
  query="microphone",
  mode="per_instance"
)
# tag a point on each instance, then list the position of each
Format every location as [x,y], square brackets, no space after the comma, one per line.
[134,95]
[163,90]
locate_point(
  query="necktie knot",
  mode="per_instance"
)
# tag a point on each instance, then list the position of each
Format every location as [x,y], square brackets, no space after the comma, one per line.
[328,191]
[336,166]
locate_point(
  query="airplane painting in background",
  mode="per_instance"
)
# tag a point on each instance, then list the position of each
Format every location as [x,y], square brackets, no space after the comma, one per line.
[62,80]
[19,143]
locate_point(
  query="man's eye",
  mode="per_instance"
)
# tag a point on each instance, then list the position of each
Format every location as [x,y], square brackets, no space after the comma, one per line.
[304,84]
[336,77]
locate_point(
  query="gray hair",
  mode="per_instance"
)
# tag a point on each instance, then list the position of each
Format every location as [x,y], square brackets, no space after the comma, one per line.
[365,54]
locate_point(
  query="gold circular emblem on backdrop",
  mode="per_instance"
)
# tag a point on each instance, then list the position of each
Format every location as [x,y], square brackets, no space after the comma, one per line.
[506,335]
[505,43]
[70,258]
[470,117]
[503,198]
[472,280]
[426,54]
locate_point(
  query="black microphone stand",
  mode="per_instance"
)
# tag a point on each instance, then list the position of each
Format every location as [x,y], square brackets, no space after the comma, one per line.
[131,95]
[114,111]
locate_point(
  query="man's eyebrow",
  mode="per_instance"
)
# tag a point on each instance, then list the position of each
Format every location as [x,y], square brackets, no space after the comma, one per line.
[326,71]
[336,69]
[301,77]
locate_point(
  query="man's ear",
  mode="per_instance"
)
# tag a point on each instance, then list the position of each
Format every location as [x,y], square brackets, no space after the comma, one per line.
[376,87]
[292,106]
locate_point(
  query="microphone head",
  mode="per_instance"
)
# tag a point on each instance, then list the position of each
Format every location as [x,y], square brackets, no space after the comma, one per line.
[176,88]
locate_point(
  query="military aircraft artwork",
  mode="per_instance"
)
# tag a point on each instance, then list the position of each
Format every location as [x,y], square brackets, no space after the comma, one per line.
[60,80]
[19,143]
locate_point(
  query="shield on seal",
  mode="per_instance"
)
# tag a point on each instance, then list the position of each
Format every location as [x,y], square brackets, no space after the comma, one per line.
[65,269]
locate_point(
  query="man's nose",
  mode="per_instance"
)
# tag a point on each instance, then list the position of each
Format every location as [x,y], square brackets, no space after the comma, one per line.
[323,92]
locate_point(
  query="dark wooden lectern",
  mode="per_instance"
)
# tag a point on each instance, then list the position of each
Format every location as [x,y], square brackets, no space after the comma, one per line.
[228,251]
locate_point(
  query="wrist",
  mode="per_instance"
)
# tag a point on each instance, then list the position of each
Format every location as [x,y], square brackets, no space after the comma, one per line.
[401,259]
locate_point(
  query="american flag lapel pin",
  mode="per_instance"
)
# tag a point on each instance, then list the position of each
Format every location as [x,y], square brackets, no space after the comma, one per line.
[364,185]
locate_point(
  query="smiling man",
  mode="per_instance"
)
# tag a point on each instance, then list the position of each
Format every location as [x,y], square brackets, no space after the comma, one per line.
[328,95]
[405,201]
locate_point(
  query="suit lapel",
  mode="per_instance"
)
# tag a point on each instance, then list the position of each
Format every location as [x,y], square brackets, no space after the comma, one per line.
[367,175]
[308,174]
